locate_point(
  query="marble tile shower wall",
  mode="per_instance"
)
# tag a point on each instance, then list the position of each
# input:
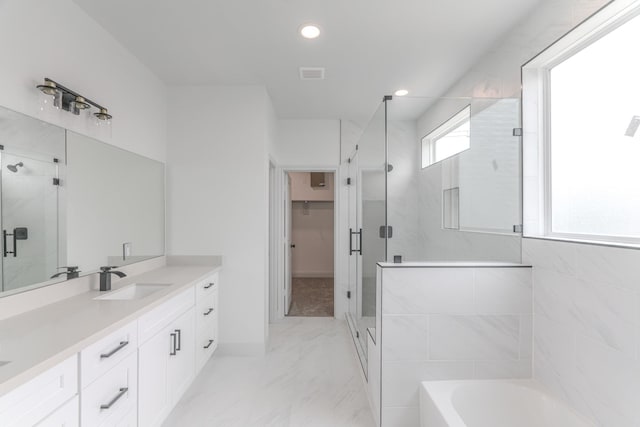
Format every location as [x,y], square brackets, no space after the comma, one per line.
[451,323]
[587,327]
[403,193]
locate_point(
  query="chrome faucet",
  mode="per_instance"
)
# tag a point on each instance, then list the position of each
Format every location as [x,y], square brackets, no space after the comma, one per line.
[105,277]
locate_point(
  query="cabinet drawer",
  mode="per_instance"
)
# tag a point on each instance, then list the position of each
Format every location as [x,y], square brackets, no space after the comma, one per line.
[130,419]
[66,416]
[158,318]
[206,344]
[112,396]
[207,326]
[31,402]
[207,286]
[98,358]
[206,314]
[207,301]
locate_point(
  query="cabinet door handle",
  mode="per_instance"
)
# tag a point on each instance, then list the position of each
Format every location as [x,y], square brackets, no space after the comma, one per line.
[122,345]
[208,312]
[173,345]
[179,334]
[209,285]
[117,397]
[208,344]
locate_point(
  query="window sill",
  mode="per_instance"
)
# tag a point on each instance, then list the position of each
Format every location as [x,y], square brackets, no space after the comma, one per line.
[620,245]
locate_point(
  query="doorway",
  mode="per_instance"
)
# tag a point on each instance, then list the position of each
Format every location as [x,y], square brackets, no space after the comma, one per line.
[309,243]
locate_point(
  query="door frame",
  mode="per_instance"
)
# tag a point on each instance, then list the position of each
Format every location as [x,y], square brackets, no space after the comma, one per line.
[278,225]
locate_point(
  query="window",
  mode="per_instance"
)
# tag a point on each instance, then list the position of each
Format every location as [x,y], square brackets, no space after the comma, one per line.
[448,139]
[582,149]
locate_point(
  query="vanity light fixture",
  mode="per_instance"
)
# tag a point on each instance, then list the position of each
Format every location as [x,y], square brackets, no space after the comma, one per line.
[71,101]
[310,31]
[401,92]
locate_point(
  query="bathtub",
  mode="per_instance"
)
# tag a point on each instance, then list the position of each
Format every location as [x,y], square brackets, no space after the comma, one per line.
[493,403]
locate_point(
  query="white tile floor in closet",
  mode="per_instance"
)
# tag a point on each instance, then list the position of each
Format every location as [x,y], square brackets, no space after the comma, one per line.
[308,378]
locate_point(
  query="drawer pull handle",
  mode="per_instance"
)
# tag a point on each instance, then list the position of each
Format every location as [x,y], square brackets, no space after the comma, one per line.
[208,344]
[122,345]
[121,393]
[178,332]
[173,345]
[208,312]
[209,285]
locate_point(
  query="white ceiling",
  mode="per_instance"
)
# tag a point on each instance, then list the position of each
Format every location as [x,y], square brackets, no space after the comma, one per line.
[369,47]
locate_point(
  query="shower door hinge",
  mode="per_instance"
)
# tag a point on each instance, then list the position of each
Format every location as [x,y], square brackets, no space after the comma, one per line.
[517,131]
[348,181]
[357,334]
[1,147]
[348,294]
[56,181]
[385,231]
[517,228]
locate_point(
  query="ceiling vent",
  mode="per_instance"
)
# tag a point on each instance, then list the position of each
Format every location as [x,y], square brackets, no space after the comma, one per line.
[311,73]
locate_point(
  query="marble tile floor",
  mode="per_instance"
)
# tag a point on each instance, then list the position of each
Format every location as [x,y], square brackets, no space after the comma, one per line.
[309,377]
[311,297]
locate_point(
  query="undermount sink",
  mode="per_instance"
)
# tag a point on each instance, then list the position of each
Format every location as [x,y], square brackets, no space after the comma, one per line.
[135,291]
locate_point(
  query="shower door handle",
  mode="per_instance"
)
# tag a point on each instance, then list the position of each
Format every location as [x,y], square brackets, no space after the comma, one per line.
[350,242]
[4,243]
[351,233]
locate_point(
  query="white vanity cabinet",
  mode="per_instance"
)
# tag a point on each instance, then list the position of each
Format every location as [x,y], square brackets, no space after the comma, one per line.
[109,378]
[42,401]
[65,416]
[206,320]
[166,359]
[132,377]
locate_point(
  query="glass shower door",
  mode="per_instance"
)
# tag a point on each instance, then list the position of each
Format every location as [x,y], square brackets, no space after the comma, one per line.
[29,193]
[368,224]
[353,294]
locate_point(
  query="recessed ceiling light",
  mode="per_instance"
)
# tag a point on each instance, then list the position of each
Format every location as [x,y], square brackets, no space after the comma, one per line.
[401,92]
[309,31]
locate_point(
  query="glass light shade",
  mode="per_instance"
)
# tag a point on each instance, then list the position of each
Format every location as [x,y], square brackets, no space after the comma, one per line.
[48,106]
[102,125]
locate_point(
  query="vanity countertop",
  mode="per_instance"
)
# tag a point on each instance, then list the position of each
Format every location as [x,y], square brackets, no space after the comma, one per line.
[37,340]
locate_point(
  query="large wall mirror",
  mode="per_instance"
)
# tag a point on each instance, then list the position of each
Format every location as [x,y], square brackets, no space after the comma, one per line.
[69,200]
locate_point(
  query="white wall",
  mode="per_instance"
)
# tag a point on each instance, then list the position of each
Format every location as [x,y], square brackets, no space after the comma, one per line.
[217,182]
[307,143]
[56,39]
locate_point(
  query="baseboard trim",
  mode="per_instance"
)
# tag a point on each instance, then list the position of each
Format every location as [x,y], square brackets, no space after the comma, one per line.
[241,349]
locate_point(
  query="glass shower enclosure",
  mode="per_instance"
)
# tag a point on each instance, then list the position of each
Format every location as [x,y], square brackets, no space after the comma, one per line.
[465,207]
[32,157]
